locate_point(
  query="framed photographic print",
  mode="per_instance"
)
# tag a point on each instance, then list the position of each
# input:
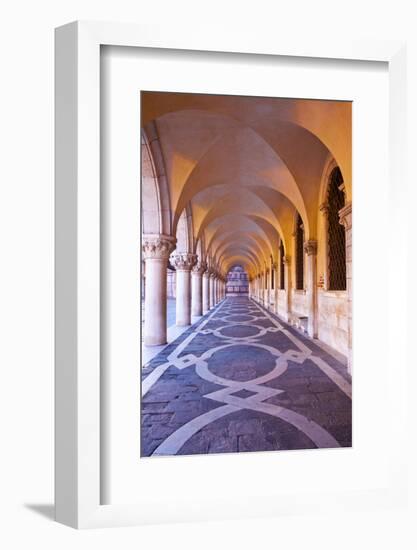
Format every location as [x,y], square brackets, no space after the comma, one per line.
[223,332]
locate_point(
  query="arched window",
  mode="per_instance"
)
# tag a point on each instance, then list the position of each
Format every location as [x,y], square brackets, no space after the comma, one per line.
[336,245]
[281,267]
[299,254]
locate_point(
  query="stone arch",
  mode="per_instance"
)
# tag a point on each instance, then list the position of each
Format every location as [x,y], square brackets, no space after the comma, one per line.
[155,203]
[184,232]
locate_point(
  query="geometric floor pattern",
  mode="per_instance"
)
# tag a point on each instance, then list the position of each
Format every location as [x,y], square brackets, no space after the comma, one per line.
[241,380]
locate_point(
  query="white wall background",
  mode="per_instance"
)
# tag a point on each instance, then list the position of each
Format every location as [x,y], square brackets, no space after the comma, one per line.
[26,269]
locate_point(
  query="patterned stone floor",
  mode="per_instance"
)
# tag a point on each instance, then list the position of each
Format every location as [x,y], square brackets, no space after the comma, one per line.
[241,380]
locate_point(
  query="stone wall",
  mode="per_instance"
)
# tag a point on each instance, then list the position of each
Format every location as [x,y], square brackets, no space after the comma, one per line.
[282,304]
[299,303]
[333,319]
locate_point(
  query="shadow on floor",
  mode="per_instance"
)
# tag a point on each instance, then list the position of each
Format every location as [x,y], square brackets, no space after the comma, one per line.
[45,510]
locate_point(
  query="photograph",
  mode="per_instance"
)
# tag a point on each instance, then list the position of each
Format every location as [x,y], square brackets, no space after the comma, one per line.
[207,269]
[246,274]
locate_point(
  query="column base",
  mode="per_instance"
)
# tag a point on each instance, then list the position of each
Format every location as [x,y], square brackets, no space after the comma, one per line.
[154,342]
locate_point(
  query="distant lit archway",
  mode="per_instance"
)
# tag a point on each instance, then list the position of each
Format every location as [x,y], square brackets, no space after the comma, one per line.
[237,283]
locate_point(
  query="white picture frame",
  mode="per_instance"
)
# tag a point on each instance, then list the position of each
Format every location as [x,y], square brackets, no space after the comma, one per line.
[78,411]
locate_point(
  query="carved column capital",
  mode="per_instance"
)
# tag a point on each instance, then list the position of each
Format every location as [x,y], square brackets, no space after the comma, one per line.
[199,268]
[345,216]
[157,247]
[310,247]
[184,261]
[286,260]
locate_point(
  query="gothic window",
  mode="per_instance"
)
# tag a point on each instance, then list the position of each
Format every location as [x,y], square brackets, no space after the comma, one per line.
[299,254]
[336,233]
[281,267]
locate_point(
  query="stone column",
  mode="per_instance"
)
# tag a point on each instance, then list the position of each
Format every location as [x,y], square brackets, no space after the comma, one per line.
[272,290]
[206,292]
[211,289]
[216,291]
[324,209]
[276,289]
[293,276]
[345,217]
[184,263]
[215,285]
[287,277]
[310,248]
[156,250]
[262,288]
[267,287]
[197,289]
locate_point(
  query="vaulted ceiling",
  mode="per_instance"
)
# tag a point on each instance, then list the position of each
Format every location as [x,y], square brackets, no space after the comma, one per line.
[238,169]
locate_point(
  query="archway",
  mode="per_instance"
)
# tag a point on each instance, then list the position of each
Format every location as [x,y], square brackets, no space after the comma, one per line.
[237,283]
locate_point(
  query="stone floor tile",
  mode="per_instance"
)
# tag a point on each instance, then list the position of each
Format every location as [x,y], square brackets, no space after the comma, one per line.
[181,397]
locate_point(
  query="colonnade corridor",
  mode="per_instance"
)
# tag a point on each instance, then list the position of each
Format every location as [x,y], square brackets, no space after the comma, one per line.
[239,380]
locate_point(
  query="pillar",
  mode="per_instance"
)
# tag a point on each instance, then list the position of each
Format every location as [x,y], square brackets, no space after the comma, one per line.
[156,250]
[276,289]
[287,277]
[294,255]
[211,289]
[197,289]
[262,288]
[267,287]
[345,218]
[310,248]
[206,291]
[184,262]
[272,290]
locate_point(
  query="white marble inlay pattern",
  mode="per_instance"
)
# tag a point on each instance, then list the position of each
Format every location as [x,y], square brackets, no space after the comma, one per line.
[259,393]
